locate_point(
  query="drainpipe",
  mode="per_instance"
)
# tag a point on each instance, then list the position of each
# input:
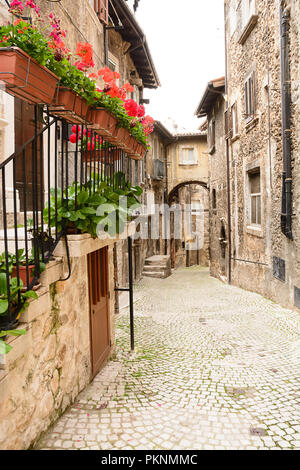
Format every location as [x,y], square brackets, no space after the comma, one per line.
[286,213]
[227,160]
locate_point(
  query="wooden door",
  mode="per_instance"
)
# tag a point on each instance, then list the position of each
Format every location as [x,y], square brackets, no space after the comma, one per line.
[99,308]
[24,131]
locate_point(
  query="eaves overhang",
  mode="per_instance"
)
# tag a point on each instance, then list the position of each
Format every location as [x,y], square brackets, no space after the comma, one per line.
[214,89]
[139,51]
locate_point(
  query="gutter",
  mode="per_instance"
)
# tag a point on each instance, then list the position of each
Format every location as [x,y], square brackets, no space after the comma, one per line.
[228,163]
[286,201]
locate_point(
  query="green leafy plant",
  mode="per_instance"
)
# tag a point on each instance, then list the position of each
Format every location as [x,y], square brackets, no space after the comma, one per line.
[22,261]
[92,207]
[16,297]
[4,347]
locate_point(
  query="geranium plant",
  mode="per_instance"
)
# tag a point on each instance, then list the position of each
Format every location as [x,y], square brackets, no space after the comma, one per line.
[46,44]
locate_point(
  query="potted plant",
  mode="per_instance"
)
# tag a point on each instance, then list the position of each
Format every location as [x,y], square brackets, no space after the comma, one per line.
[12,305]
[81,212]
[24,59]
[103,122]
[18,265]
[93,147]
[25,78]
[69,105]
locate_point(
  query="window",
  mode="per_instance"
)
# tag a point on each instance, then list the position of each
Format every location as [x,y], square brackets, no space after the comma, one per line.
[234,120]
[212,135]
[188,156]
[250,97]
[101,8]
[255,197]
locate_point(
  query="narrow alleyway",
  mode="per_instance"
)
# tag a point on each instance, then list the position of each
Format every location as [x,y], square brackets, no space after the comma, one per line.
[215,367]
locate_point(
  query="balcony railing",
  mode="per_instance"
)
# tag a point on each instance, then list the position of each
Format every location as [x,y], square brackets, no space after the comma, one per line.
[44,175]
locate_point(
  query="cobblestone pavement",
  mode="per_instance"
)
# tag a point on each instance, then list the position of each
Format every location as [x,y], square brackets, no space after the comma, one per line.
[215,367]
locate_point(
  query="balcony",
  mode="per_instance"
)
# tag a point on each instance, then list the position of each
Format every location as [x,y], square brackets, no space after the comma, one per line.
[159,170]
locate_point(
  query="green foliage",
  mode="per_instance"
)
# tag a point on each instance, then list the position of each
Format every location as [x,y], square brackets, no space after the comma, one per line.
[100,206]
[33,42]
[4,347]
[16,296]
[12,261]
[116,107]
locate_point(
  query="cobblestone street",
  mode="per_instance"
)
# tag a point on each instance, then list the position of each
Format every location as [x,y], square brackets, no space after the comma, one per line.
[215,367]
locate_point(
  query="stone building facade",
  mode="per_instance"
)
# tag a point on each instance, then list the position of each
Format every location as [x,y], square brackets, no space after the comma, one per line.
[212,106]
[53,362]
[262,252]
[187,178]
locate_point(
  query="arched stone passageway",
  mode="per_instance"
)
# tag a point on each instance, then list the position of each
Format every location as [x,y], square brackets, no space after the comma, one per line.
[193,247]
[182,184]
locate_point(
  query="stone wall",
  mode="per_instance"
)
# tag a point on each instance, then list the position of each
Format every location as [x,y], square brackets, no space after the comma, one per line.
[51,364]
[259,144]
[218,195]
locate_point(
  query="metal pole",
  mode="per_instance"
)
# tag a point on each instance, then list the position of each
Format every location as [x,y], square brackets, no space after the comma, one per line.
[131,293]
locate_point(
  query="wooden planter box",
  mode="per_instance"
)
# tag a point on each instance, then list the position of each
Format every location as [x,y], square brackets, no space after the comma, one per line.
[119,137]
[25,78]
[102,121]
[107,156]
[137,151]
[70,106]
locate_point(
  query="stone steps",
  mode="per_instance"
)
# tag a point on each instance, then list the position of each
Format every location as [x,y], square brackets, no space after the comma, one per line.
[157,266]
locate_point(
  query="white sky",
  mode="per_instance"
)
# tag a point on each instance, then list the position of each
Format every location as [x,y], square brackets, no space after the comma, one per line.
[186,40]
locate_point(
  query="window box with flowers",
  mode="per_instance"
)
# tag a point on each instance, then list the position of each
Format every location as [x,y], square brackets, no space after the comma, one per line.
[69,105]
[120,120]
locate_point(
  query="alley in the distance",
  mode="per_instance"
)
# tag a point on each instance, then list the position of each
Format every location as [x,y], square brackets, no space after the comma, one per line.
[215,367]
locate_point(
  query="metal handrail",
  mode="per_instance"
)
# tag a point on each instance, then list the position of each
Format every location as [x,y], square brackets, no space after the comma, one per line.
[53,164]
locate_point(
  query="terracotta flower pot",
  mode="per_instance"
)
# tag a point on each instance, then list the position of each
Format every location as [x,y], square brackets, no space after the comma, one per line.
[23,273]
[70,106]
[105,156]
[103,122]
[119,137]
[129,143]
[25,78]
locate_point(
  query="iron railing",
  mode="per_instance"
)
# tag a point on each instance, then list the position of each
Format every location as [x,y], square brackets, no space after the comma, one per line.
[38,173]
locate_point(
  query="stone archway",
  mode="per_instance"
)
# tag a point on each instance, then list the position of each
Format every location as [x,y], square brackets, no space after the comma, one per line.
[193,248]
[176,188]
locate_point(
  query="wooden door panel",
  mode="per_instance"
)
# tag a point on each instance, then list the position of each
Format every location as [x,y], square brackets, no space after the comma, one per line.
[99,307]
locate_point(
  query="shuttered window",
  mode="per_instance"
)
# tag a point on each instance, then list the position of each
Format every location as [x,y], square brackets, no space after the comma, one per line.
[101,8]
[255,197]
[250,97]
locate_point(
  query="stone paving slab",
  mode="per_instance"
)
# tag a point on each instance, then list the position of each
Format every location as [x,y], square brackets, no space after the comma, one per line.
[215,367]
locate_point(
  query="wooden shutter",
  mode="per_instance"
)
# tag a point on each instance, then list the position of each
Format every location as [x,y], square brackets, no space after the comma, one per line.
[228,124]
[101,8]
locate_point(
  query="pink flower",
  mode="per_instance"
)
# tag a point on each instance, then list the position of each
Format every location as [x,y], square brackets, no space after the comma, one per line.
[141,111]
[16,7]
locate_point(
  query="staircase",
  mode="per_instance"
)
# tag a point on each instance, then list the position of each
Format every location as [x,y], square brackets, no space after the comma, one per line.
[157,266]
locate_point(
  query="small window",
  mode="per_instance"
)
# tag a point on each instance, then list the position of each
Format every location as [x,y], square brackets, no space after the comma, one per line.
[234,119]
[212,135]
[188,156]
[255,197]
[101,8]
[250,98]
